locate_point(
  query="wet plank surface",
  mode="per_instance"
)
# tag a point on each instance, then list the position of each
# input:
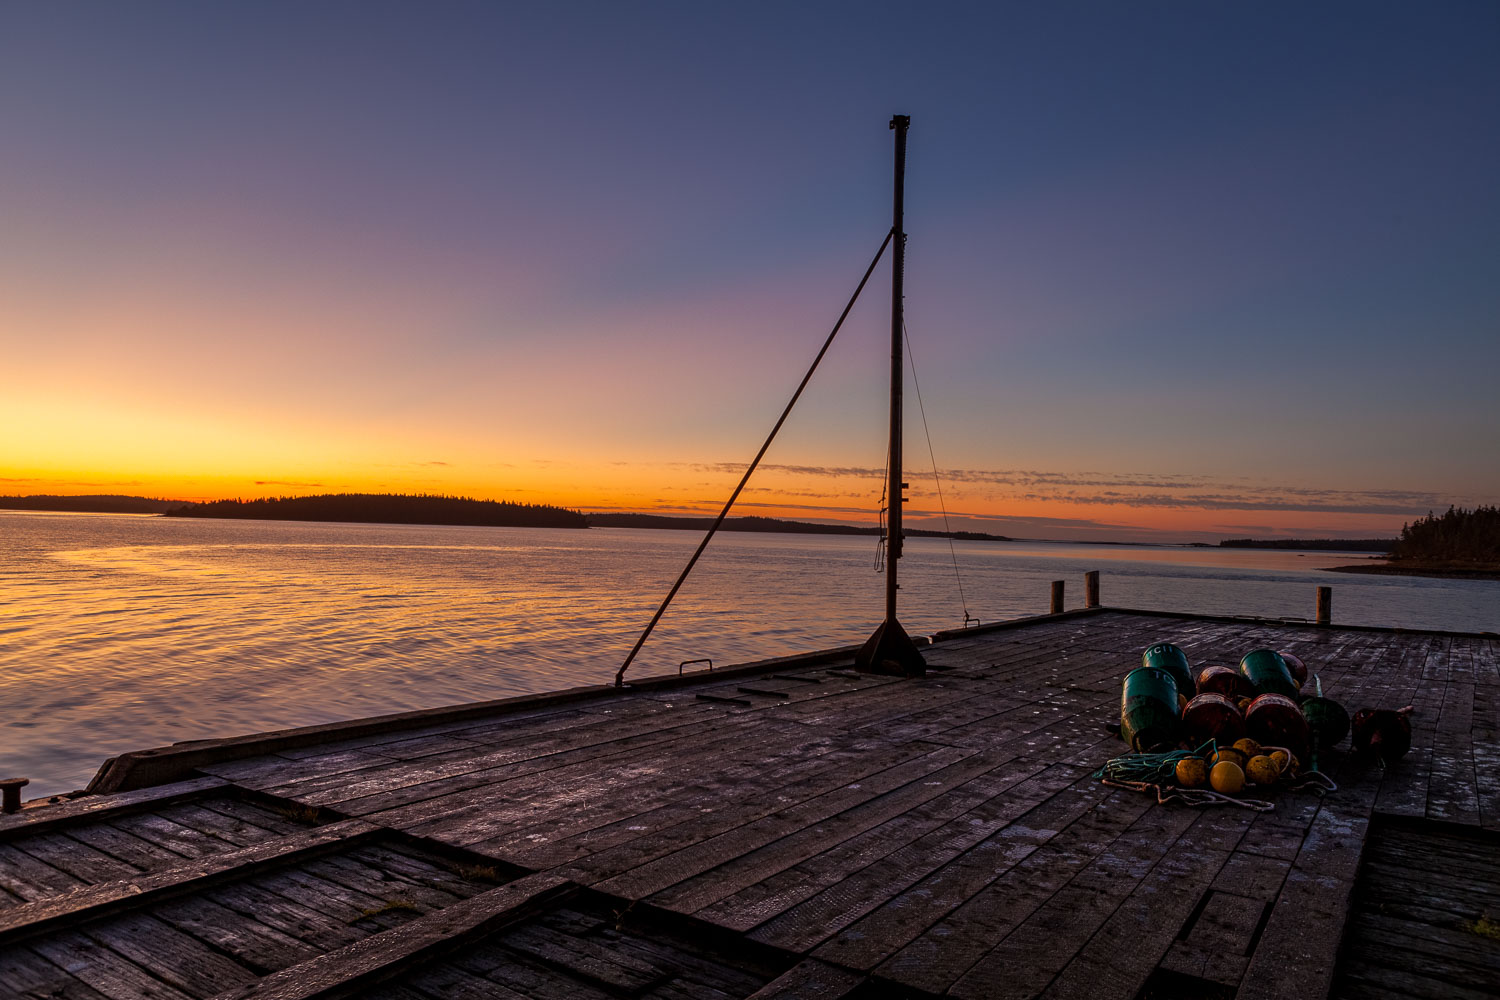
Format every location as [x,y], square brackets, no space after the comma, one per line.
[846,832]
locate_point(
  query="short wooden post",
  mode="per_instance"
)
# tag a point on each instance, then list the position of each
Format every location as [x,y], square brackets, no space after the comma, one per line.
[1325,605]
[10,793]
[1057,597]
[1091,589]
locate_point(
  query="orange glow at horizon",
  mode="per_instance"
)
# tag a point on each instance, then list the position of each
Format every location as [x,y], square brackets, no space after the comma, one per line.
[130,459]
[198,419]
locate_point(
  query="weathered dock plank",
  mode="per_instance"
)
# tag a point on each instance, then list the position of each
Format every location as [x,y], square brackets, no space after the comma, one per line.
[380,955]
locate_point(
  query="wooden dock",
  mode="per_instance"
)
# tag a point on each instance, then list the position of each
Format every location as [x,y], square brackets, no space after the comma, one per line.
[786,829]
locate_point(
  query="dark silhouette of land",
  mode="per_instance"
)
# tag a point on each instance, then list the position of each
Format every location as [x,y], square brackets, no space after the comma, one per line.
[95,504]
[388,508]
[399,508]
[1461,543]
[1312,544]
[753,523]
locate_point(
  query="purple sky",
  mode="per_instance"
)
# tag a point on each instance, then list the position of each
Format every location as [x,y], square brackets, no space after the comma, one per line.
[1198,269]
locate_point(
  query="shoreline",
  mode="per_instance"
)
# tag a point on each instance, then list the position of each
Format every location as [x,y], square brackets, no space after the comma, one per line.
[1435,572]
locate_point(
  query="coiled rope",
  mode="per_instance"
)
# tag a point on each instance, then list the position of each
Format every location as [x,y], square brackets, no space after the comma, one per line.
[1154,772]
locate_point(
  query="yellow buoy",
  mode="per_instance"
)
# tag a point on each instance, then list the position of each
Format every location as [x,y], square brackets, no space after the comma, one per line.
[1232,756]
[1247,746]
[1281,759]
[1192,772]
[1262,770]
[1182,701]
[1227,778]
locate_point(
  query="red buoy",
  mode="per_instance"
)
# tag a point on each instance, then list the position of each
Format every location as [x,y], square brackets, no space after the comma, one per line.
[1276,720]
[1212,717]
[1223,680]
[1297,667]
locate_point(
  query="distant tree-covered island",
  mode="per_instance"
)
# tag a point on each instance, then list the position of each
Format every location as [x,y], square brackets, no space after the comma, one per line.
[97,503]
[388,508]
[1459,543]
[400,508]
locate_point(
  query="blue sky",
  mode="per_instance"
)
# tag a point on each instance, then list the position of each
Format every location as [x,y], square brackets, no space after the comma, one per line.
[570,251]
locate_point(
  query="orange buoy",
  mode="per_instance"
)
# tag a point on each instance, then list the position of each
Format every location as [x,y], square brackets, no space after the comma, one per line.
[1231,755]
[1262,770]
[1227,778]
[1192,772]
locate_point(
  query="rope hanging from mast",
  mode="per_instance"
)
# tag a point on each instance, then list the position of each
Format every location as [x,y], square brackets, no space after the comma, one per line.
[620,674]
[937,480]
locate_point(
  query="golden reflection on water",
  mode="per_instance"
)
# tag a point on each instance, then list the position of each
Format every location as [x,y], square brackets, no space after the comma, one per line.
[126,632]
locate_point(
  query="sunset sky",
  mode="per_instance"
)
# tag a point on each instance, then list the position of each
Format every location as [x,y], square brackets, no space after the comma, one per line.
[1180,271]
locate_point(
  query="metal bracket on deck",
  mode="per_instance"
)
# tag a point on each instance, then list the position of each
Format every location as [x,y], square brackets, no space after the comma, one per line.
[686,663]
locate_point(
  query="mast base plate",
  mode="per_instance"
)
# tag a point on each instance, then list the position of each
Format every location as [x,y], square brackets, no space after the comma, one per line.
[890,651]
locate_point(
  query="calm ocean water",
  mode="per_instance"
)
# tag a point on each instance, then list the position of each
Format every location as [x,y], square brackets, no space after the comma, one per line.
[122,632]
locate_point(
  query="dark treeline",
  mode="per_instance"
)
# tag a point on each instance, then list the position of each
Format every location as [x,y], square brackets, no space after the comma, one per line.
[389,508]
[1458,537]
[1322,544]
[754,523]
[95,504]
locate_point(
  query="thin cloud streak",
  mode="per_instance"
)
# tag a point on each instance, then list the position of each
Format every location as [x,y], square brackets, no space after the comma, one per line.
[1119,490]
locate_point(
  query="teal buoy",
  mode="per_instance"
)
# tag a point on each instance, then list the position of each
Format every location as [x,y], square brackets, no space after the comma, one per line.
[1171,658]
[1149,719]
[1268,673]
[1327,722]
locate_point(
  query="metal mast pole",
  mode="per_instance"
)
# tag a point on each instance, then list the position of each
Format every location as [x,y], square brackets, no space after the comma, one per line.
[894,490]
[890,650]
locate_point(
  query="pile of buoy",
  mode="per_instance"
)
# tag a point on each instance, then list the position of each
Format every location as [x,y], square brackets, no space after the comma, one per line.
[1226,730]
[1230,770]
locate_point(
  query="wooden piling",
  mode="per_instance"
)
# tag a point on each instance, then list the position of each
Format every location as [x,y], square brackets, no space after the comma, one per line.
[1057,597]
[1091,589]
[10,794]
[1325,605]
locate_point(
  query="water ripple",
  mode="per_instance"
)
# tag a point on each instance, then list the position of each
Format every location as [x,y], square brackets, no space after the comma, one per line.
[125,632]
